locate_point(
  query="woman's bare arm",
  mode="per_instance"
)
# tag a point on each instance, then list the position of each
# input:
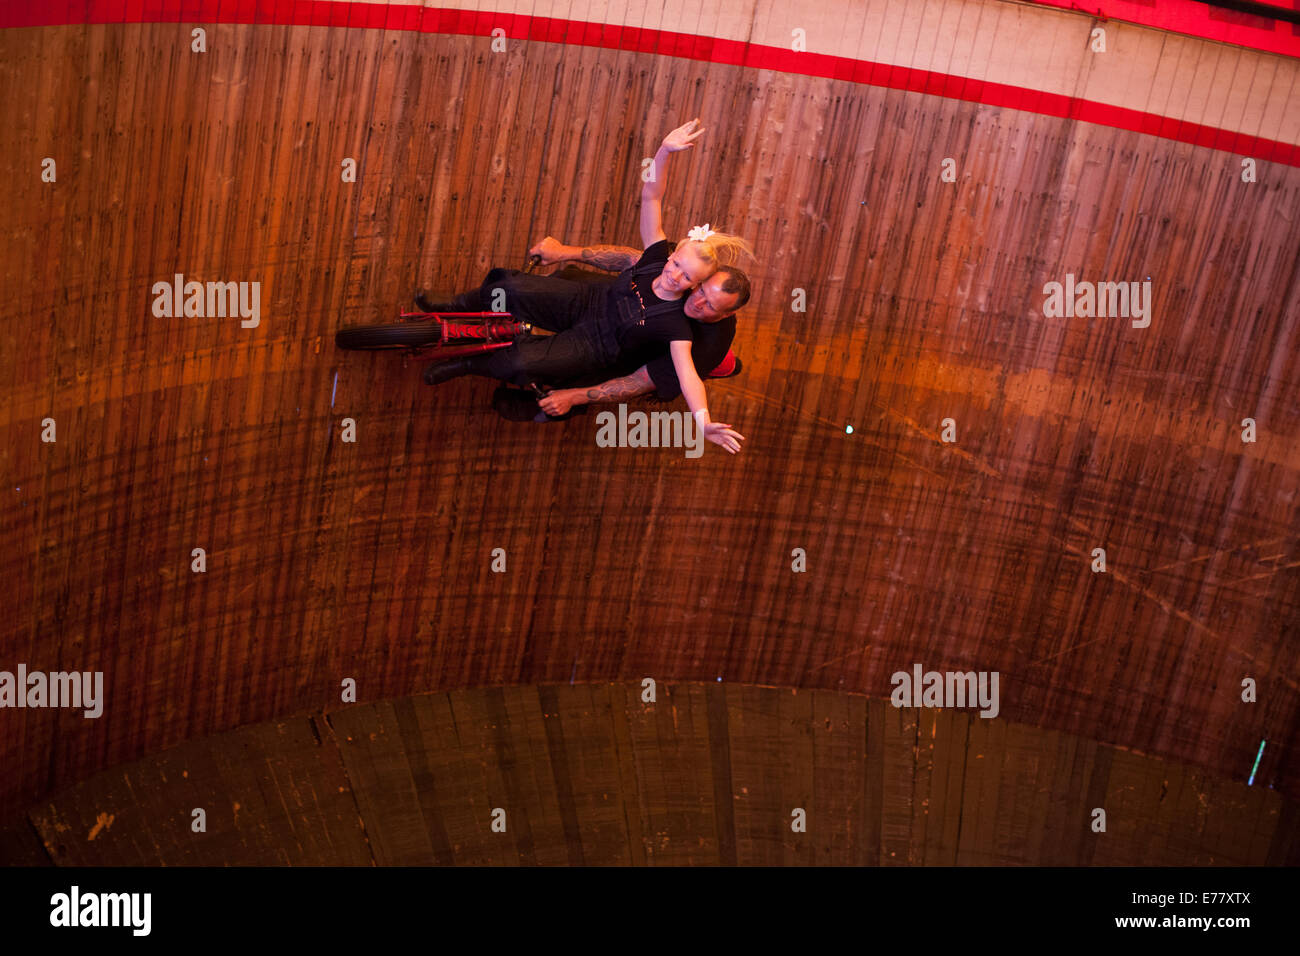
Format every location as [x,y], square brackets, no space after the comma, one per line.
[693,391]
[652,193]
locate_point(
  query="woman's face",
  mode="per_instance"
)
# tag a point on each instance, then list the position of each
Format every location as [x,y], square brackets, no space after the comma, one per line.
[684,270]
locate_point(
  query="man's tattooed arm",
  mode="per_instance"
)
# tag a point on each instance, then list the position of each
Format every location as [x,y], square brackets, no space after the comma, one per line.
[562,400]
[609,258]
[638,383]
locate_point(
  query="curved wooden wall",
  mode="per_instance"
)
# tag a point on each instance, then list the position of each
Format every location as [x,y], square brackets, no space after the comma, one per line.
[329,560]
[707,774]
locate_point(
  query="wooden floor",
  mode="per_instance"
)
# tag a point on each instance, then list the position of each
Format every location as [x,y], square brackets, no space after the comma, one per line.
[371,560]
[707,774]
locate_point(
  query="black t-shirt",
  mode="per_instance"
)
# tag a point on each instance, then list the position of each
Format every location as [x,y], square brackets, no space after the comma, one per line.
[712,341]
[639,317]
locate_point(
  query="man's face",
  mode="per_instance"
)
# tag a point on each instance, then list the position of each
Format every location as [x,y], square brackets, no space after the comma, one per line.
[709,303]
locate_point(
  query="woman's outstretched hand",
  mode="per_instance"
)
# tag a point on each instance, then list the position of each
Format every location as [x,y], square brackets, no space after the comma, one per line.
[683,137]
[724,435]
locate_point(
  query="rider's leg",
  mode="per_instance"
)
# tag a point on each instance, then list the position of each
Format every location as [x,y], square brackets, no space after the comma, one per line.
[548,302]
[545,359]
[541,359]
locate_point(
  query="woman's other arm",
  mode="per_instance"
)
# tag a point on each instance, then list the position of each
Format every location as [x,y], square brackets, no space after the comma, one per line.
[693,391]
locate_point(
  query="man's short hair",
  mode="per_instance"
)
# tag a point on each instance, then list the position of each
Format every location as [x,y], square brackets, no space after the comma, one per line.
[735,283]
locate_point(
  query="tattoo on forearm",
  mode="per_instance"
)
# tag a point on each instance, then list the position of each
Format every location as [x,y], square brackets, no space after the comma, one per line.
[610,258]
[616,388]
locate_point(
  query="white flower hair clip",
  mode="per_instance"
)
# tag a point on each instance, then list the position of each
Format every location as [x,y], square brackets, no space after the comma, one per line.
[700,233]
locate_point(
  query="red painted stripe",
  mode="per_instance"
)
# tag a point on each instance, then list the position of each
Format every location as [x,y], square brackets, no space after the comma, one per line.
[1196,20]
[640,40]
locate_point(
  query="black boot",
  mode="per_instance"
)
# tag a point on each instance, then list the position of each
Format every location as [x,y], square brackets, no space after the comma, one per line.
[425,304]
[515,404]
[467,302]
[445,371]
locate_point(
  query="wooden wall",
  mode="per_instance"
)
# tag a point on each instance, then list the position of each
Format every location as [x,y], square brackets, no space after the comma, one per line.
[370,560]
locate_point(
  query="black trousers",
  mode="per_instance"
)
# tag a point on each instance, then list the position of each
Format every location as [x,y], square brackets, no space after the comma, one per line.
[572,308]
[555,302]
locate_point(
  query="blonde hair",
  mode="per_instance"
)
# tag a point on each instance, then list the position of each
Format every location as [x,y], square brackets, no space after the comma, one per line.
[720,249]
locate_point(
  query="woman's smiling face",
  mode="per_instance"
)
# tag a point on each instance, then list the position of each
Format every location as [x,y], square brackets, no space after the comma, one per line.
[683,271]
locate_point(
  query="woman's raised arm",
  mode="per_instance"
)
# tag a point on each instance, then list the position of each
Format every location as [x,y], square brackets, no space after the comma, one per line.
[652,193]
